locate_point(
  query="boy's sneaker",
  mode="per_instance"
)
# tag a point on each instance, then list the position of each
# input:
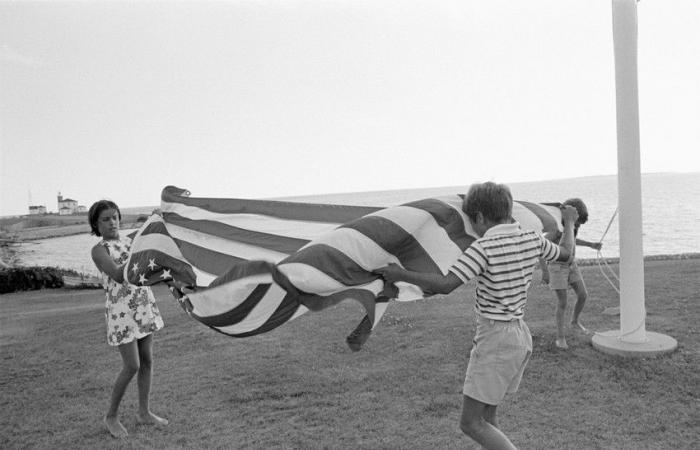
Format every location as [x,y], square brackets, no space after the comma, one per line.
[561,343]
[359,335]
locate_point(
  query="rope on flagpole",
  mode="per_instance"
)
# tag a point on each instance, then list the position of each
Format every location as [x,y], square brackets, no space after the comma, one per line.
[602,261]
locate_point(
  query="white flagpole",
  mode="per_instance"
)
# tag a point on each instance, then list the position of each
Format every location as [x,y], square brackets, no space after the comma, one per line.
[632,339]
[629,183]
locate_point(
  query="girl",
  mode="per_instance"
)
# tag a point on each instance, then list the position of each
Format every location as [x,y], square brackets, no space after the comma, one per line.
[131,313]
[562,275]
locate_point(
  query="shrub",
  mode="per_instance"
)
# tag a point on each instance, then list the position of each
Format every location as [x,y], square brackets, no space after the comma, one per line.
[29,278]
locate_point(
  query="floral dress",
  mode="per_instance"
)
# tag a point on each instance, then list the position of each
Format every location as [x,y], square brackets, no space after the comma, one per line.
[130,310]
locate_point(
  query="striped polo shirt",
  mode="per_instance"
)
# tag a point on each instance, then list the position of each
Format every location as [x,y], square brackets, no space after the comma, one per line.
[502,261]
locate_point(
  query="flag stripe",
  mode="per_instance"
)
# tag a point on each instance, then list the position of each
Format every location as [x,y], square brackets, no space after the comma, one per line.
[224,231]
[223,298]
[387,234]
[232,288]
[248,299]
[247,226]
[217,244]
[428,234]
[313,212]
[265,316]
[362,250]
[548,216]
[365,297]
[331,262]
[204,279]
[312,280]
[161,244]
[235,315]
[451,220]
[210,261]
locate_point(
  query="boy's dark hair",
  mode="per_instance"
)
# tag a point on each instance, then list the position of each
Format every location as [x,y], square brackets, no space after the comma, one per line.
[580,208]
[95,211]
[492,200]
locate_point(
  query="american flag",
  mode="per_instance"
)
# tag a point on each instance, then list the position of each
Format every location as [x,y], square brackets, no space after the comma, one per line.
[244,267]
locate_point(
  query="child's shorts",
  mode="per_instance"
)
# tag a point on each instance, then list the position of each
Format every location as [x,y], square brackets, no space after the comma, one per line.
[563,275]
[498,359]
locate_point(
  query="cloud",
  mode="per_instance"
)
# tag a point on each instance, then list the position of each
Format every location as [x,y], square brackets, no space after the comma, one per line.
[12,56]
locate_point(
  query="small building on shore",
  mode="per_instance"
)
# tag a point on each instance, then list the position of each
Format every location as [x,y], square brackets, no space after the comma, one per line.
[67,206]
[35,210]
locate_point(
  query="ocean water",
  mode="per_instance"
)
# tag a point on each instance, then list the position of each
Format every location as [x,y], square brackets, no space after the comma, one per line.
[670,215]
[670,208]
[68,252]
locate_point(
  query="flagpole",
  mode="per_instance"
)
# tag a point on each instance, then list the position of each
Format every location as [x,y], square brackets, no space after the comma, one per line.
[632,339]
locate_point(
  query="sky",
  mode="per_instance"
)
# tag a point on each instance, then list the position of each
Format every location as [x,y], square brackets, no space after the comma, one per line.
[273,98]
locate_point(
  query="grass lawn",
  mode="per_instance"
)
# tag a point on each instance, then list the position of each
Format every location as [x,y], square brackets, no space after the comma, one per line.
[299,386]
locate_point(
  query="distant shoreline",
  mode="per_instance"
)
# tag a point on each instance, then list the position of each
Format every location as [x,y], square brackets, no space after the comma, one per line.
[616,260]
[34,234]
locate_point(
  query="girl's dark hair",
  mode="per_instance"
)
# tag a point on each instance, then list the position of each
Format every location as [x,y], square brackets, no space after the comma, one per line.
[492,200]
[95,211]
[580,208]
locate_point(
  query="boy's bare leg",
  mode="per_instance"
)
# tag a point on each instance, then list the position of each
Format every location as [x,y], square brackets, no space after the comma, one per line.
[581,296]
[561,313]
[490,415]
[474,425]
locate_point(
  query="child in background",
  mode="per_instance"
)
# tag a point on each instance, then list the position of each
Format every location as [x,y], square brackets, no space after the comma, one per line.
[562,275]
[131,313]
[502,260]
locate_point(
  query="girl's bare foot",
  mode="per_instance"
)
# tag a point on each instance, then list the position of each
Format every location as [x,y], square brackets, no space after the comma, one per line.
[578,326]
[561,343]
[150,419]
[115,427]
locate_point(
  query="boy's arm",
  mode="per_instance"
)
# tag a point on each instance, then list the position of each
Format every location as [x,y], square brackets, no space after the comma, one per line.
[593,245]
[430,282]
[568,241]
[545,272]
[552,237]
[543,262]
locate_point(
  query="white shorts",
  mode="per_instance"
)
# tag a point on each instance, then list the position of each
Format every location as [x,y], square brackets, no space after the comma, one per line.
[497,360]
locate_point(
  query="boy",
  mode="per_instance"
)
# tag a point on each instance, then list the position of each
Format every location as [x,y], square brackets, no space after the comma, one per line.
[561,275]
[502,261]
